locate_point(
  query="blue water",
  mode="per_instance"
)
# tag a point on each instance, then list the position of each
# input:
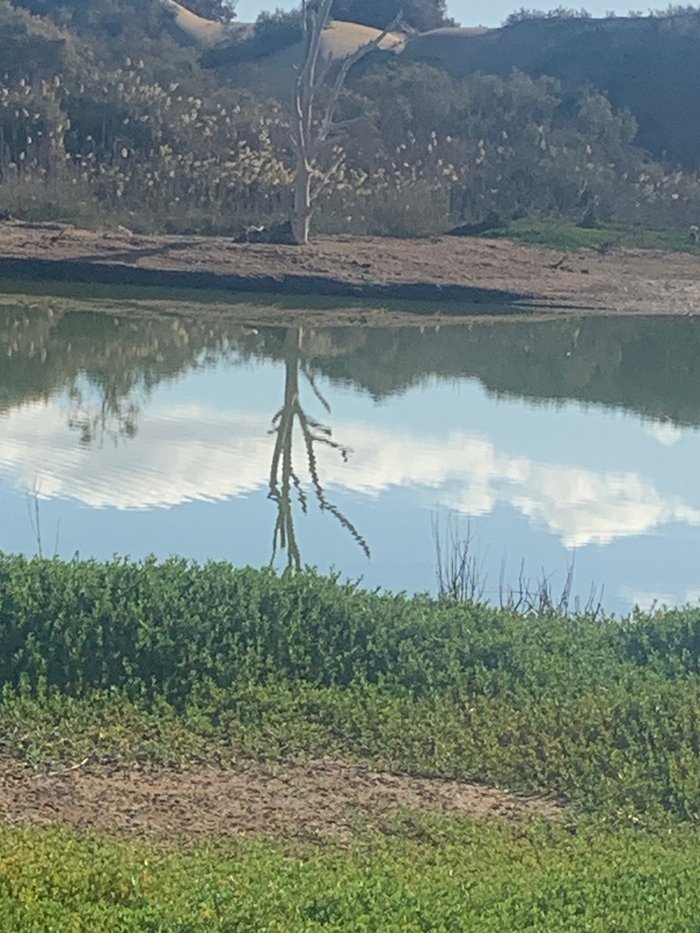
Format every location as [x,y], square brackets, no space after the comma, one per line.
[129,435]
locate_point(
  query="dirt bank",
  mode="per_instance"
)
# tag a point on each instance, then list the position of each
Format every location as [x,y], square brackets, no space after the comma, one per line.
[446,271]
[303,801]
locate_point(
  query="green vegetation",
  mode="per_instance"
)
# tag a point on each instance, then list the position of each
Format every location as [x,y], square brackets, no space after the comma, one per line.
[217,10]
[646,64]
[564,235]
[524,15]
[107,117]
[448,877]
[421,15]
[157,662]
[178,664]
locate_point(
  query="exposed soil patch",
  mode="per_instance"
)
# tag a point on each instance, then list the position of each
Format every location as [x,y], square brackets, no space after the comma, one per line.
[440,270]
[310,801]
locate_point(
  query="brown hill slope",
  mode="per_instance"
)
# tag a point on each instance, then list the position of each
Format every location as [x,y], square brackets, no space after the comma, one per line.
[273,75]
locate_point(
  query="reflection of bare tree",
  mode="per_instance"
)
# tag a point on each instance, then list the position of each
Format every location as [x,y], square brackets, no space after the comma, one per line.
[108,416]
[284,479]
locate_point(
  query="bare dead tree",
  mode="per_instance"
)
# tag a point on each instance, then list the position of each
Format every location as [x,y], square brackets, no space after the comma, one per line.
[314,126]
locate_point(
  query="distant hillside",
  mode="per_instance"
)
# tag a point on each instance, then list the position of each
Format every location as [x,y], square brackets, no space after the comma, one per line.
[650,65]
[270,75]
[647,64]
[142,113]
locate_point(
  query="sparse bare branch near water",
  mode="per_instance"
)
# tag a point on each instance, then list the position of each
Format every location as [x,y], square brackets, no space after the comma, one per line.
[34,510]
[460,577]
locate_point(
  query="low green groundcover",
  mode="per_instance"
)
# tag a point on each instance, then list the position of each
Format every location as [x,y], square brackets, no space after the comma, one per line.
[460,876]
[166,663]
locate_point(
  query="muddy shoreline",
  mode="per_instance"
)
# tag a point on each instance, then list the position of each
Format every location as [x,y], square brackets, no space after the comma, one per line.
[448,275]
[101,273]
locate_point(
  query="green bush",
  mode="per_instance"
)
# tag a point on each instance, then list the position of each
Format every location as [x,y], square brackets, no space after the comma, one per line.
[450,877]
[190,657]
[169,627]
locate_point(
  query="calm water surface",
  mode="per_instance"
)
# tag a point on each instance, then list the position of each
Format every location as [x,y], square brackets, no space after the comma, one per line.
[548,442]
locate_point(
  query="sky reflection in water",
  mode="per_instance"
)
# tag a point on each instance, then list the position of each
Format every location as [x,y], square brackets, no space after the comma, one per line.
[549,441]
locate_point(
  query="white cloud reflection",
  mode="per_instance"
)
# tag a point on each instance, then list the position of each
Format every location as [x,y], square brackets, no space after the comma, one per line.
[649,600]
[194,452]
[665,432]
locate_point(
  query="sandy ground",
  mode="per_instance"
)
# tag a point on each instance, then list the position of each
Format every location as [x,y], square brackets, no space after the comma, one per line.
[307,802]
[445,270]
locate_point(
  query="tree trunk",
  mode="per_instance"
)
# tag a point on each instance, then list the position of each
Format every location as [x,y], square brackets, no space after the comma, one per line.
[301,213]
[314,124]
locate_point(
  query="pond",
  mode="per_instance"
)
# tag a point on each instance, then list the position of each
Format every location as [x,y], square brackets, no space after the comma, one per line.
[549,444]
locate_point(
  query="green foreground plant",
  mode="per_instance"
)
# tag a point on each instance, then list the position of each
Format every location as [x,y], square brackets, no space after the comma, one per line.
[564,235]
[174,662]
[420,874]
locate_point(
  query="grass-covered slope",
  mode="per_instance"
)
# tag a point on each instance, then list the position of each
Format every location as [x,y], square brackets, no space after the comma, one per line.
[149,664]
[167,662]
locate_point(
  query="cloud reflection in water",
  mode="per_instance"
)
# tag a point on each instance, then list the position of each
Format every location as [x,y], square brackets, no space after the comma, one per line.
[192,452]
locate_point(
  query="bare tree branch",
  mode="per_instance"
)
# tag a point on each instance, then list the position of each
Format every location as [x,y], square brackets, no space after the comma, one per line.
[316,123]
[349,62]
